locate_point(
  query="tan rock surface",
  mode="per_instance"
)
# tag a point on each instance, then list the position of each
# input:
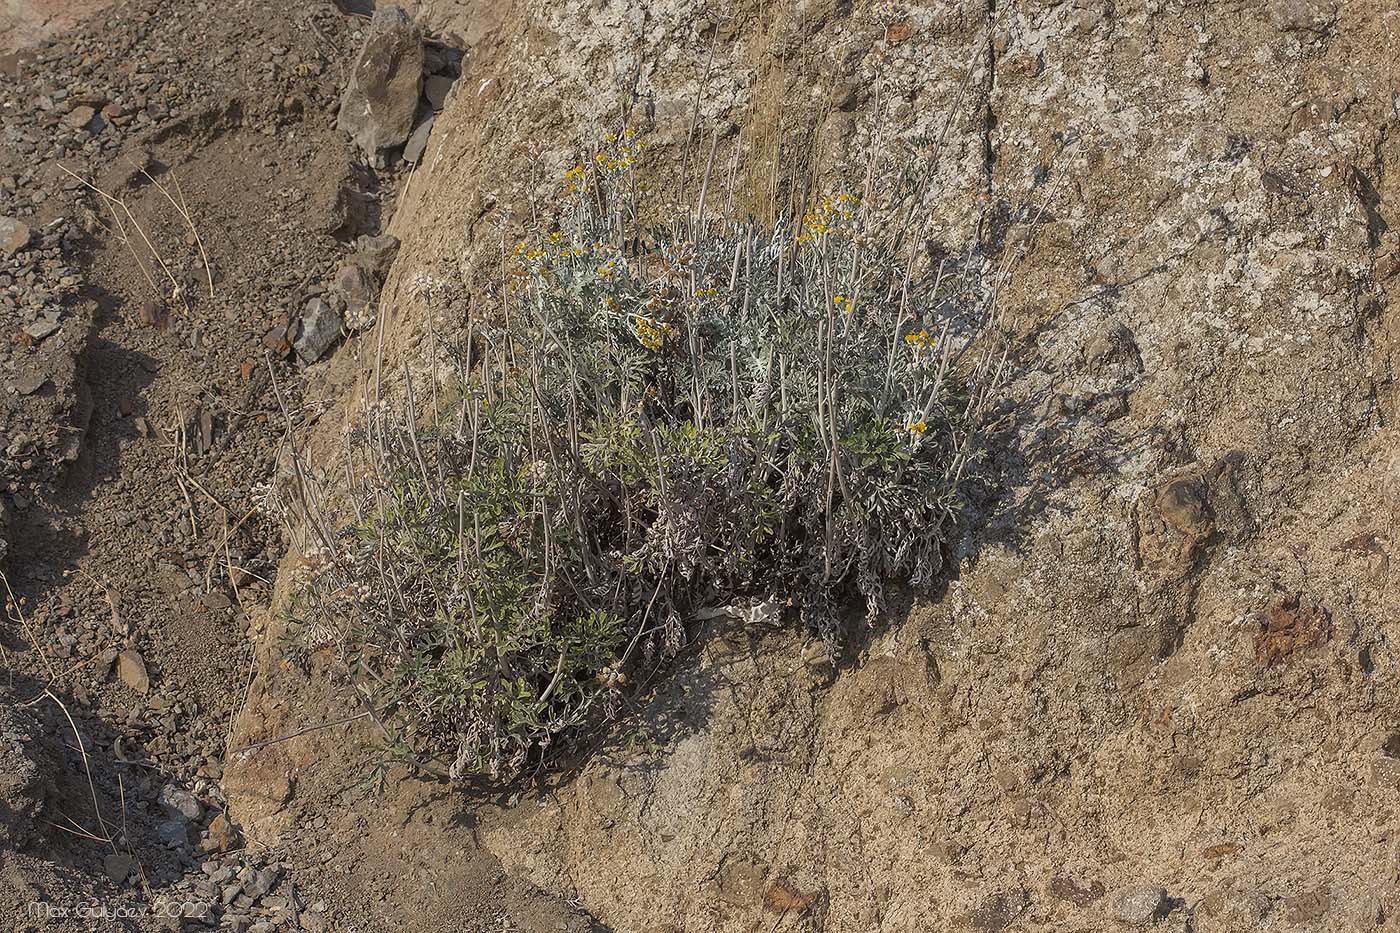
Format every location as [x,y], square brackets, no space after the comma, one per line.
[1200,430]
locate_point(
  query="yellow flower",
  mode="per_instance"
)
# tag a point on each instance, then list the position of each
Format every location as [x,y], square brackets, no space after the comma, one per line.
[918,427]
[651,334]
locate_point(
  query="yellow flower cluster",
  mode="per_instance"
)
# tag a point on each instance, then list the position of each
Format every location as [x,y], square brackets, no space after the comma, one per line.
[706,292]
[567,252]
[918,427]
[624,152]
[574,177]
[843,303]
[620,153]
[554,240]
[921,339]
[614,162]
[827,214]
[530,254]
[652,334]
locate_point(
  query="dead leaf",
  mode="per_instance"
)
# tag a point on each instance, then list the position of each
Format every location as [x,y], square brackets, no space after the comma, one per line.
[1366,542]
[153,314]
[206,430]
[899,31]
[1290,626]
[782,898]
[1221,850]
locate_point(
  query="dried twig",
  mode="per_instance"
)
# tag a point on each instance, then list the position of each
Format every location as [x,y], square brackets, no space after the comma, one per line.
[246,750]
[113,204]
[183,209]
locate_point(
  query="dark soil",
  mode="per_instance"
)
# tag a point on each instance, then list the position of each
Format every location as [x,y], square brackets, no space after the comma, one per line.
[186,192]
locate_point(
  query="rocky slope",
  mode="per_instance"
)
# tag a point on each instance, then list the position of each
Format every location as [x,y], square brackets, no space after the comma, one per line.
[1158,687]
[183,231]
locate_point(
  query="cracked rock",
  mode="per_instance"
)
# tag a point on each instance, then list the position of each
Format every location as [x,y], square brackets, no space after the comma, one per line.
[381,99]
[418,142]
[319,328]
[46,326]
[179,802]
[357,287]
[14,236]
[376,253]
[1140,904]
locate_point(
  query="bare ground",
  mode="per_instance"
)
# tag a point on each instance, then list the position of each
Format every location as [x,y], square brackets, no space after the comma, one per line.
[138,434]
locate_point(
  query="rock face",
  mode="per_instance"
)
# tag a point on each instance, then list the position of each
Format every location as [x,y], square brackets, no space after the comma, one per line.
[381,97]
[1126,678]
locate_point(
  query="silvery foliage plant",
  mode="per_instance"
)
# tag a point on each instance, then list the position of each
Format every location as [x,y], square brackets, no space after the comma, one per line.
[667,417]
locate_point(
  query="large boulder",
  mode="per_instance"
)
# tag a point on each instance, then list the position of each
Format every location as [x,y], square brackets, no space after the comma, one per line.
[381,97]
